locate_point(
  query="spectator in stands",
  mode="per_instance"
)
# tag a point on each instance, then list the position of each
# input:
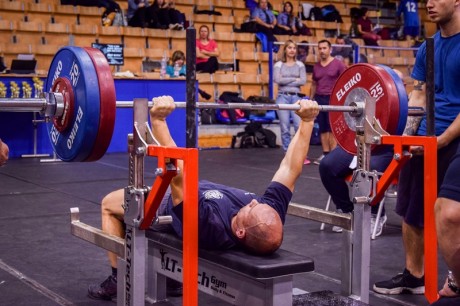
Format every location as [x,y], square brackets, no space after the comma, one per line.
[290,75]
[325,73]
[264,19]
[141,14]
[160,15]
[365,29]
[409,9]
[228,217]
[4,151]
[168,16]
[286,21]
[206,52]
[176,66]
[410,202]
[345,53]
[302,53]
[289,24]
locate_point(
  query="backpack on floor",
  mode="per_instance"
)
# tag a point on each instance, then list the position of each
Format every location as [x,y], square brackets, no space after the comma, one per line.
[254,136]
[243,140]
[208,116]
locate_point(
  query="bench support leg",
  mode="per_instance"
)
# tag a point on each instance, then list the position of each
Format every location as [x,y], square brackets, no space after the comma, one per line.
[356,257]
[156,282]
[281,293]
[131,271]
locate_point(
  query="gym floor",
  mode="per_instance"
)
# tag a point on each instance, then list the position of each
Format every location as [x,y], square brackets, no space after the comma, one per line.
[41,263]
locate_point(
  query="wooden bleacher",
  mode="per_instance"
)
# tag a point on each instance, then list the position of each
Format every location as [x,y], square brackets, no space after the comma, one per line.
[42,27]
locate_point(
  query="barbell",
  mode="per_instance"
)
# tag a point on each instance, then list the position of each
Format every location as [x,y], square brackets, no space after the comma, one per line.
[79,103]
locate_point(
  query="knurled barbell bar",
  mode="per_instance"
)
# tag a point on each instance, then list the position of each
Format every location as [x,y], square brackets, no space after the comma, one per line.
[55,109]
[80,103]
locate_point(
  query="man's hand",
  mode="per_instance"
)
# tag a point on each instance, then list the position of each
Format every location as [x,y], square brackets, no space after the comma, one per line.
[446,291]
[4,150]
[442,142]
[308,110]
[162,107]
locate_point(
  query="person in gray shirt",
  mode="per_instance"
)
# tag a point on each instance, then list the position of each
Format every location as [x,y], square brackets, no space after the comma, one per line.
[290,75]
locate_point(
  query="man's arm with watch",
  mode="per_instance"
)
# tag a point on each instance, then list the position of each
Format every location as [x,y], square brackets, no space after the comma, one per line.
[451,287]
[452,283]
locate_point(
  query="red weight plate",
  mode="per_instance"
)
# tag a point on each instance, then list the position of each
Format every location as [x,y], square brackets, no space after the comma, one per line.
[108,104]
[63,85]
[378,84]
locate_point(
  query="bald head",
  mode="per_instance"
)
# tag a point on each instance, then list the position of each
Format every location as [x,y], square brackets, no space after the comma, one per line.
[266,235]
[259,228]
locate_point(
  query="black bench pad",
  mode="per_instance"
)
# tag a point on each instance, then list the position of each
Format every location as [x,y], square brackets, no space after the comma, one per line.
[278,264]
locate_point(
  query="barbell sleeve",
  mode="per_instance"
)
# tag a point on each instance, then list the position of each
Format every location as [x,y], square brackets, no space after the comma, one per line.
[23,105]
[52,105]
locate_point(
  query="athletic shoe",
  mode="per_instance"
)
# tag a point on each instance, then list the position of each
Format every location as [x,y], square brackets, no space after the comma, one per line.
[105,291]
[401,282]
[176,26]
[337,229]
[382,221]
[306,161]
[108,289]
[319,159]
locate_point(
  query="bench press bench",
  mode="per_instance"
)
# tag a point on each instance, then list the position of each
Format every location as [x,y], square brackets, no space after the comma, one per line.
[234,276]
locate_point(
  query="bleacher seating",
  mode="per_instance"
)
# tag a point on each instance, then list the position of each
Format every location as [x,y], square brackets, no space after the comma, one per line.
[41,27]
[110,35]
[29,32]
[39,12]
[134,37]
[57,34]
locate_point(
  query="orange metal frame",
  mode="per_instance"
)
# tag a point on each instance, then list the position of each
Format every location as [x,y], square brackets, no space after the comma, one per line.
[401,145]
[190,205]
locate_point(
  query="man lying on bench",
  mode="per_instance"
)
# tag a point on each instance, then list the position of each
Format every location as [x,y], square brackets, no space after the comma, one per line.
[228,217]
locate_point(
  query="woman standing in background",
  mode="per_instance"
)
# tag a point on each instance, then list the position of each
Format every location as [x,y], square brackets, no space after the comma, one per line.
[290,75]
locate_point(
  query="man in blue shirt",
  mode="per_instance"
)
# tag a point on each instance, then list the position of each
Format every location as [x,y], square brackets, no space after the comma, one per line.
[264,19]
[447,128]
[409,8]
[228,217]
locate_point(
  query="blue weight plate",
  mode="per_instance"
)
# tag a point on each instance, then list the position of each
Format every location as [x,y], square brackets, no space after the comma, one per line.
[403,99]
[77,141]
